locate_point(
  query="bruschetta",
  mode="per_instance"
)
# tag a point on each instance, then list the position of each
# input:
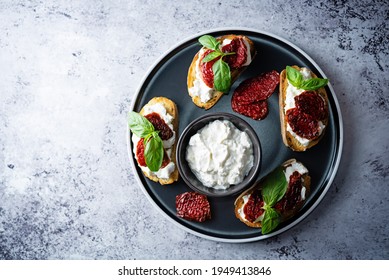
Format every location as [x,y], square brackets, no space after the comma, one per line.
[154,138]
[216,66]
[303,105]
[275,198]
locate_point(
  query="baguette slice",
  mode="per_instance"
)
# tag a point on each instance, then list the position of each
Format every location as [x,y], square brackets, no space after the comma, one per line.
[171,109]
[239,202]
[288,139]
[234,73]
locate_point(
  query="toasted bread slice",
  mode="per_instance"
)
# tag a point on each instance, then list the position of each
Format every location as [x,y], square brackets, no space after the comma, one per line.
[288,139]
[234,73]
[171,109]
[239,202]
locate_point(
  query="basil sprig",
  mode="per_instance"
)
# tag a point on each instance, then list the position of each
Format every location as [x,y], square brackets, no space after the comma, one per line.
[296,79]
[221,70]
[270,221]
[273,190]
[143,128]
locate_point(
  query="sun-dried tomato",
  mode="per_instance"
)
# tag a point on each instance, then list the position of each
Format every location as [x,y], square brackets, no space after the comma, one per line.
[302,124]
[160,125]
[206,69]
[140,152]
[293,194]
[253,208]
[257,111]
[250,97]
[193,206]
[258,88]
[311,103]
[237,46]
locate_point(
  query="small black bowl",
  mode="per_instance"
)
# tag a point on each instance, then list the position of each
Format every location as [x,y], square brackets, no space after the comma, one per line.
[186,173]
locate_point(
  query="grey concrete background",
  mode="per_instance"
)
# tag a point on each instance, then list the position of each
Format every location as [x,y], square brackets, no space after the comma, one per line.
[69,70]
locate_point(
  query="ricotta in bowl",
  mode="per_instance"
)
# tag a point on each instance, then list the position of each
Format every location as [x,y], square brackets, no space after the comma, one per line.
[220,155]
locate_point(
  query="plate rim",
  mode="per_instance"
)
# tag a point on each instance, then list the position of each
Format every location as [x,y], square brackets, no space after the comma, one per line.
[336,160]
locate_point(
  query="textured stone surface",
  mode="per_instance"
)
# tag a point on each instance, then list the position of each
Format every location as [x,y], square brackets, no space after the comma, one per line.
[69,71]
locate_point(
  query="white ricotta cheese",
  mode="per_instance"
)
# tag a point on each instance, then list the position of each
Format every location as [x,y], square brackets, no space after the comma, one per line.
[220,155]
[240,210]
[199,88]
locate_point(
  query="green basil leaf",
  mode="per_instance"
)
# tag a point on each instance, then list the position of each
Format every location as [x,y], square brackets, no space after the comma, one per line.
[209,42]
[274,187]
[270,220]
[154,153]
[212,56]
[139,125]
[294,76]
[313,84]
[221,76]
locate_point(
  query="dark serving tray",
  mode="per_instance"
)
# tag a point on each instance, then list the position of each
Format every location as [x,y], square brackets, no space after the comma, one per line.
[167,77]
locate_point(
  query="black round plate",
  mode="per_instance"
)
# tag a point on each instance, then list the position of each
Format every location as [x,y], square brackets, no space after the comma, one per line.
[168,78]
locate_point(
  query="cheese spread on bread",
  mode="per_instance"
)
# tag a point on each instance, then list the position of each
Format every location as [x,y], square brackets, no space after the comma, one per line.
[163,173]
[199,88]
[296,166]
[241,211]
[291,93]
[288,171]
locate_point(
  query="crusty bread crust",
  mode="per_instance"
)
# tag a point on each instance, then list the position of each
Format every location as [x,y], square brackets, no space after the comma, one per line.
[234,73]
[288,139]
[171,109]
[286,215]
